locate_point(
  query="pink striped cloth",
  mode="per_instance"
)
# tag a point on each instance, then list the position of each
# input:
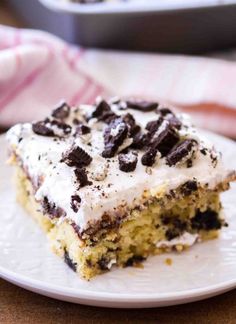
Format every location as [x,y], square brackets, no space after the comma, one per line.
[37,70]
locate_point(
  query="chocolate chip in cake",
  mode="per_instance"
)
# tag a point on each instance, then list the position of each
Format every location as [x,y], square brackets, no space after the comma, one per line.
[82,129]
[180,152]
[62,111]
[149,157]
[114,135]
[75,203]
[128,162]
[76,157]
[82,177]
[166,140]
[40,128]
[142,105]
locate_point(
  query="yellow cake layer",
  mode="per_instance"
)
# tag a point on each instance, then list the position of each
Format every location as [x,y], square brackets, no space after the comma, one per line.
[135,238]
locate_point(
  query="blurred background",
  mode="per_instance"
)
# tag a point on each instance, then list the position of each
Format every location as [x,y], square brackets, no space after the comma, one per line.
[164,45]
[175,26]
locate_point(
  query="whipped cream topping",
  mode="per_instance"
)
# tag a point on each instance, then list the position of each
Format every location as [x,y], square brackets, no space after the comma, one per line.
[41,158]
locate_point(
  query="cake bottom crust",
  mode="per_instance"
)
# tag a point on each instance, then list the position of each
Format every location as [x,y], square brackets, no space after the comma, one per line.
[161,227]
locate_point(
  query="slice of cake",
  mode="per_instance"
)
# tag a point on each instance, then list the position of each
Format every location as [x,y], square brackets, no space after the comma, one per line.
[117,181]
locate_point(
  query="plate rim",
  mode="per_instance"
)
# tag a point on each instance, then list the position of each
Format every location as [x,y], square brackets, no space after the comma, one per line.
[111,298]
[130,8]
[103,296]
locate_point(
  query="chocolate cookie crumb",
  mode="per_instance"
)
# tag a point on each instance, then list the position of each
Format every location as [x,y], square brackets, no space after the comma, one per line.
[75,203]
[128,162]
[82,177]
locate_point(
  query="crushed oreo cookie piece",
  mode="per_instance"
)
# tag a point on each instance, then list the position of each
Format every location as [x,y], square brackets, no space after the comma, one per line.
[166,140]
[131,122]
[62,111]
[60,128]
[114,135]
[204,151]
[180,152]
[82,177]
[149,157]
[170,116]
[134,261]
[128,162]
[142,105]
[75,203]
[207,220]
[153,125]
[40,128]
[76,157]
[174,121]
[164,111]
[103,112]
[69,262]
[103,263]
[51,209]
[139,141]
[102,108]
[189,187]
[171,234]
[82,129]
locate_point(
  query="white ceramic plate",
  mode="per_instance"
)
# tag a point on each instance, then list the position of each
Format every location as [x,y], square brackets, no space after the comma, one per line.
[205,270]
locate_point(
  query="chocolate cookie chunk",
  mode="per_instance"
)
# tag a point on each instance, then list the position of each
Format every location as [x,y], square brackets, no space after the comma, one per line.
[166,140]
[114,135]
[180,152]
[149,157]
[62,111]
[40,128]
[142,105]
[128,162]
[82,129]
[82,177]
[76,157]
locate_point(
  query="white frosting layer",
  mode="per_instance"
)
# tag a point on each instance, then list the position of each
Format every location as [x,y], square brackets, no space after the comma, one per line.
[185,239]
[41,157]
